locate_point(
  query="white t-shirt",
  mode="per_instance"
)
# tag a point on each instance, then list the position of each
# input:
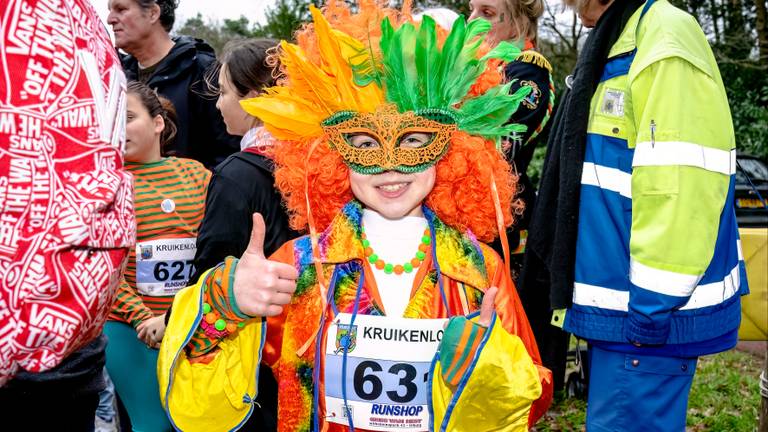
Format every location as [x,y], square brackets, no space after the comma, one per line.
[395,242]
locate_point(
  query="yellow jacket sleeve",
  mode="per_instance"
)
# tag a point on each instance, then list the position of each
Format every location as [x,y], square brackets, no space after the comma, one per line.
[215,396]
[496,391]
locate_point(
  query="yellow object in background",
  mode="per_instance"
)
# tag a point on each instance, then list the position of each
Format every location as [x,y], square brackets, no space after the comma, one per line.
[754,307]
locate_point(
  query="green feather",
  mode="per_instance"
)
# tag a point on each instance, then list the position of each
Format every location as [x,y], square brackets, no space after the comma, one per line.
[515,127]
[487,114]
[504,51]
[451,49]
[462,67]
[427,57]
[365,68]
[397,48]
[476,28]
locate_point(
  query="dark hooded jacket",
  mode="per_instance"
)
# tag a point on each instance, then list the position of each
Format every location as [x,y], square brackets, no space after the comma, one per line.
[180,77]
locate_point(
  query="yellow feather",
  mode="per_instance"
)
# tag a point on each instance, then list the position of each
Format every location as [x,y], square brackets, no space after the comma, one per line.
[287,117]
[314,92]
[309,81]
[332,61]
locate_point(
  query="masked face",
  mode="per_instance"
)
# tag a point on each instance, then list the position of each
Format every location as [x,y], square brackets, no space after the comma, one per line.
[388,140]
[393,194]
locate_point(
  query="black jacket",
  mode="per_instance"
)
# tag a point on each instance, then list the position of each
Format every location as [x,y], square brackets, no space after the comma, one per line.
[241,185]
[531,113]
[180,77]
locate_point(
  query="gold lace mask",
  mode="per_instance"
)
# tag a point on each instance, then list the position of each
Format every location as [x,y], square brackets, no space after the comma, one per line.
[388,140]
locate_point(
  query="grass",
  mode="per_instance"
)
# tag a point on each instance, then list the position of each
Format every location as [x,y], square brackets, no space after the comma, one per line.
[725,394]
[724,397]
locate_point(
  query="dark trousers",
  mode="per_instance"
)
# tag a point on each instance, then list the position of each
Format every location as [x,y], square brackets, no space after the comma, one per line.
[264,416]
[35,411]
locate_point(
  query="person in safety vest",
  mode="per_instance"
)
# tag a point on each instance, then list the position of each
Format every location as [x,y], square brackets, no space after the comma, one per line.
[391,314]
[644,250]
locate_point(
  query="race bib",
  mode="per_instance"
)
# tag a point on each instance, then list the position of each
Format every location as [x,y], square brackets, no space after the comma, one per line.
[164,266]
[387,371]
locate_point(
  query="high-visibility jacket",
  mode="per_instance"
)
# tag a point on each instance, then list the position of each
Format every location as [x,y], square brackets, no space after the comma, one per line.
[658,258]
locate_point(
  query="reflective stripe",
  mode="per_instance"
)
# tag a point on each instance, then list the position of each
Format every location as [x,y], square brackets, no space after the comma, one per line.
[662,281]
[716,292]
[664,153]
[738,247]
[596,296]
[710,294]
[607,178]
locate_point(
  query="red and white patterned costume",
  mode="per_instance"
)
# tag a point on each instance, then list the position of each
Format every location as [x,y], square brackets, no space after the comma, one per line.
[66,218]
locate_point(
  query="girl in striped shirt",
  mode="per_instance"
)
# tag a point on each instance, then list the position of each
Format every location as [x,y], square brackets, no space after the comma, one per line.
[169,201]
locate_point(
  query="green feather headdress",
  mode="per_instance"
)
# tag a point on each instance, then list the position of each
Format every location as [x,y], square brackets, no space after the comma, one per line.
[336,75]
[418,75]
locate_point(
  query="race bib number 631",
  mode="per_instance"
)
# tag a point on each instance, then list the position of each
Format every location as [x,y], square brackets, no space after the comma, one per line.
[387,371]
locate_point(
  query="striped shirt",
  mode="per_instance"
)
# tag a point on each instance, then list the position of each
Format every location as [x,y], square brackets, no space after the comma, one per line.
[170,203]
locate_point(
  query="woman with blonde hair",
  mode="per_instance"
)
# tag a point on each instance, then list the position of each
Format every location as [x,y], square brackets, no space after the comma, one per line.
[516,21]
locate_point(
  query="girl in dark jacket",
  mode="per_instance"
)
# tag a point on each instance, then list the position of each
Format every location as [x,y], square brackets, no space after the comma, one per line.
[516,21]
[244,184]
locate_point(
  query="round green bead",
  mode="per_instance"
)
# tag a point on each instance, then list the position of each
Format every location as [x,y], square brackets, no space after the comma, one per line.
[220,324]
[408,267]
[206,308]
[366,243]
[426,239]
[388,268]
[373,258]
[241,324]
[421,255]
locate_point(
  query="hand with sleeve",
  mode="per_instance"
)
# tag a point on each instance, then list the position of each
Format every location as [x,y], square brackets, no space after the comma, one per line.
[262,287]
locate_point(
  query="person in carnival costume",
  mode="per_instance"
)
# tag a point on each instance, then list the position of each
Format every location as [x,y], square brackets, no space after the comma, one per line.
[391,314]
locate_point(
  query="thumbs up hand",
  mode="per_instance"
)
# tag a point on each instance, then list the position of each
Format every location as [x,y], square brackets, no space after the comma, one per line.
[262,287]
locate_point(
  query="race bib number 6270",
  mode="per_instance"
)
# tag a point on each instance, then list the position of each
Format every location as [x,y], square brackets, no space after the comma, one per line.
[164,266]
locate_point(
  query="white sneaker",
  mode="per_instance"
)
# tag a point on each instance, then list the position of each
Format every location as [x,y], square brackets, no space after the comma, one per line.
[101,425]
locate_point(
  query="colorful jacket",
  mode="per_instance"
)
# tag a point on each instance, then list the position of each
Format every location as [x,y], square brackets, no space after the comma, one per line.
[658,257]
[218,395]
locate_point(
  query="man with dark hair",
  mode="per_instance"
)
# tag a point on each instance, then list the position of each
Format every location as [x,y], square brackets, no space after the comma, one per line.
[176,68]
